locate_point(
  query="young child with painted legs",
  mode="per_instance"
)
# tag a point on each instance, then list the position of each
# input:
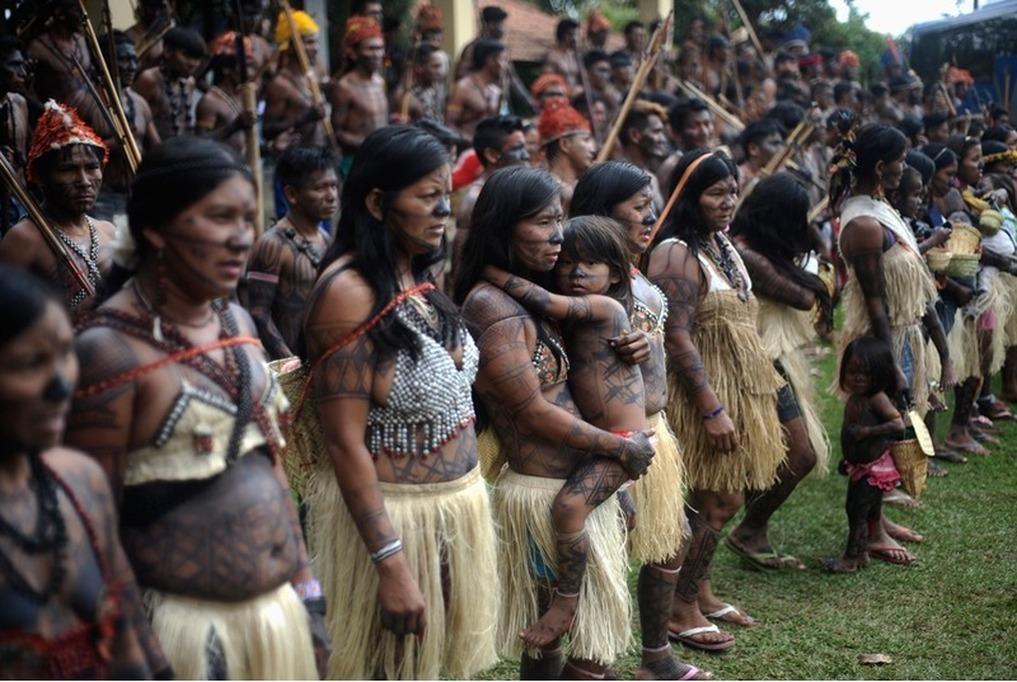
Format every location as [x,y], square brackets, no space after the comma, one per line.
[871,418]
[592,275]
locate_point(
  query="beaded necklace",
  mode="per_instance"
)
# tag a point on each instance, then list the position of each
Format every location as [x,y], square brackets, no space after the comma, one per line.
[90,259]
[50,536]
[176,93]
[724,259]
[223,95]
[304,246]
[233,377]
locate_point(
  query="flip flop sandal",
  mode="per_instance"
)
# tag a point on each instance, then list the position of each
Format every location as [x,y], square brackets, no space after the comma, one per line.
[685,637]
[970,448]
[729,609]
[670,669]
[951,456]
[936,471]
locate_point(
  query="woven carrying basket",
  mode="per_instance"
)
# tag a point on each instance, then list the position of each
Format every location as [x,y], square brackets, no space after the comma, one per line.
[912,463]
[962,265]
[304,440]
[964,239]
[938,259]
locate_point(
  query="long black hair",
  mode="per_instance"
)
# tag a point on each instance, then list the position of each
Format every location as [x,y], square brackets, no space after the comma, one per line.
[23,300]
[599,239]
[774,222]
[602,187]
[878,357]
[855,159]
[508,196]
[686,221]
[391,159]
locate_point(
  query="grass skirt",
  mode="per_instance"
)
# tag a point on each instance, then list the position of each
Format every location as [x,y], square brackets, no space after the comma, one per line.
[784,331]
[1008,283]
[447,533]
[264,638]
[659,496]
[965,351]
[602,628]
[1002,307]
[746,383]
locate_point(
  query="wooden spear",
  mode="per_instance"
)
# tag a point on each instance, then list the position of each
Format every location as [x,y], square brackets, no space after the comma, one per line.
[36,215]
[748,27]
[252,146]
[131,151]
[308,69]
[718,110]
[656,43]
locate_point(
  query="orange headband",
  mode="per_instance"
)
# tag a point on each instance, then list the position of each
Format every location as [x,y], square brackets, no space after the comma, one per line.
[677,190]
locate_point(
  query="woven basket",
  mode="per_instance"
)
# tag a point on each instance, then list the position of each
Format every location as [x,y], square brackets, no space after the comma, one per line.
[938,259]
[304,440]
[964,239]
[962,265]
[912,464]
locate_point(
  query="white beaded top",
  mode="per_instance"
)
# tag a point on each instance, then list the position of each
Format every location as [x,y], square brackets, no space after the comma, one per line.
[430,400]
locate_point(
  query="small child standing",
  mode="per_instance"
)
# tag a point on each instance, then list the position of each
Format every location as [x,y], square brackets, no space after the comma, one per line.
[871,418]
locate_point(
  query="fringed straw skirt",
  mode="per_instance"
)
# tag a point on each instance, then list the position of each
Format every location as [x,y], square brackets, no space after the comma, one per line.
[264,638]
[448,540]
[746,383]
[659,496]
[601,631]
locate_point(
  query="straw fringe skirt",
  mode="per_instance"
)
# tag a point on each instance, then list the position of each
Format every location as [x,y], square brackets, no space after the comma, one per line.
[796,368]
[448,535]
[784,331]
[659,496]
[746,383]
[1009,283]
[522,507]
[1002,307]
[965,351]
[264,638]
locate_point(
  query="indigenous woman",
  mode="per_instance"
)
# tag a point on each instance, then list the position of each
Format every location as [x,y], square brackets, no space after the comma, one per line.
[985,337]
[534,425]
[398,514]
[179,406]
[622,191]
[69,606]
[721,385]
[890,293]
[770,232]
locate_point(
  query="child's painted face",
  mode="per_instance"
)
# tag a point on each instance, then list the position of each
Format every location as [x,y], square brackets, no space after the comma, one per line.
[856,376]
[582,276]
[909,195]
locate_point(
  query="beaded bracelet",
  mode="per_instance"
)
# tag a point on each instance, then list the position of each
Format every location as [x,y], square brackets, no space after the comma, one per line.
[309,589]
[390,549]
[713,413]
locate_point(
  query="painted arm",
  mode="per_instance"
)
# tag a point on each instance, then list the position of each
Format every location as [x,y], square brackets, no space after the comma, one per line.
[342,386]
[933,326]
[506,379]
[678,274]
[541,302]
[261,288]
[769,282]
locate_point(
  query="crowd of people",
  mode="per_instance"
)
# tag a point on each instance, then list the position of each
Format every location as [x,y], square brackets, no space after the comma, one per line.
[480,365]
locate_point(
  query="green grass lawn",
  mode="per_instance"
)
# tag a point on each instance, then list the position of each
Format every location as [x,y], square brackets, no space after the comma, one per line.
[951,615]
